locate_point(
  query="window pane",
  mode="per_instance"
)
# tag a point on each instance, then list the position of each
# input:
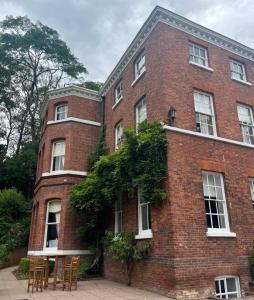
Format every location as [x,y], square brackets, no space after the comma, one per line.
[145,216]
[231,284]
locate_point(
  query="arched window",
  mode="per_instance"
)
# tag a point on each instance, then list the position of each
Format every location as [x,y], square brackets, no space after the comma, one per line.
[52,224]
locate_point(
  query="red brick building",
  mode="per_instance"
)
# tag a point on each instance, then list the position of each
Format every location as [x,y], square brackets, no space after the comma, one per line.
[200,84]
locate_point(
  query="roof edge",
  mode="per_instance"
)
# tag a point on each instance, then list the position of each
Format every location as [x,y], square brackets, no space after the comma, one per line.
[160,14]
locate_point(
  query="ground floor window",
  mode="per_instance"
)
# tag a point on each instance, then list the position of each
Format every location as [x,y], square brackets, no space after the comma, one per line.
[144,216]
[227,287]
[52,224]
[119,214]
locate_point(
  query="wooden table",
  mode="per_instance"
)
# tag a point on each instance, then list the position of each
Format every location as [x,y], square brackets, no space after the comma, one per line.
[55,277]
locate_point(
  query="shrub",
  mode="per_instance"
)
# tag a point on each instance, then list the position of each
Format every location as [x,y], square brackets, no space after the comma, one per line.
[24,265]
[84,267]
[124,247]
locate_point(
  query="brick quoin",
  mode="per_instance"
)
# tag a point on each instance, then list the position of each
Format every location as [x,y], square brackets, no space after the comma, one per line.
[184,261]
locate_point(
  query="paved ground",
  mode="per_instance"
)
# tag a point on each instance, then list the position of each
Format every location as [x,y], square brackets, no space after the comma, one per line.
[96,289]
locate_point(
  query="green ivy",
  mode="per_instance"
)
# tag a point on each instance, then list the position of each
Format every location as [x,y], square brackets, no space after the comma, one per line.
[141,162]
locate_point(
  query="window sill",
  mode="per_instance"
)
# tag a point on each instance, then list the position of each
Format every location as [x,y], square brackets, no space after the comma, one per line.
[201,66]
[242,81]
[220,234]
[64,172]
[137,79]
[116,104]
[144,235]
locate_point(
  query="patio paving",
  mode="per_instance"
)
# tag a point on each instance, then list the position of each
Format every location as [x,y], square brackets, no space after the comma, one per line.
[95,289]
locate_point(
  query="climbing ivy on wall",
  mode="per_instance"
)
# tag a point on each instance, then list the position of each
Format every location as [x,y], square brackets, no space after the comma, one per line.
[141,162]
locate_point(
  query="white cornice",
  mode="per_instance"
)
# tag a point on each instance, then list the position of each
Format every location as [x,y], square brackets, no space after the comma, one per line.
[165,16]
[210,137]
[72,119]
[74,90]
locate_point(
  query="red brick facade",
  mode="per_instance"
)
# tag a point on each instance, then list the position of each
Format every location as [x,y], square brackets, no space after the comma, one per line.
[185,260]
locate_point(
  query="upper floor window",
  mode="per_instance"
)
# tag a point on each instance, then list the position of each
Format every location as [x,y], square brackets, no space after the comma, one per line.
[119,92]
[119,214]
[52,224]
[61,111]
[245,117]
[215,202]
[205,120]
[144,217]
[141,112]
[118,135]
[58,154]
[198,55]
[237,70]
[227,287]
[251,182]
[140,65]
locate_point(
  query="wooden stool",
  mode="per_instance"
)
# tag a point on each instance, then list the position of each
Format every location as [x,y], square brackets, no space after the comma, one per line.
[70,273]
[36,274]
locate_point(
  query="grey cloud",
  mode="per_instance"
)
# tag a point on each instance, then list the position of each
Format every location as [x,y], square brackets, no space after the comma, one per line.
[99,31]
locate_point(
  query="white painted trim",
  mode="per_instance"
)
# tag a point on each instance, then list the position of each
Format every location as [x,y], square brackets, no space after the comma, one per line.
[169,18]
[220,233]
[74,90]
[72,119]
[211,137]
[58,252]
[141,236]
[201,66]
[64,172]
[242,81]
[116,104]
[137,79]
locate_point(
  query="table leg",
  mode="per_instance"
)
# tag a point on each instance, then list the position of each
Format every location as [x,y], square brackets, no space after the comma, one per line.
[55,272]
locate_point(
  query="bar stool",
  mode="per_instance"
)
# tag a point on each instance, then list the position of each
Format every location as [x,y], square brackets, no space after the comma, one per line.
[36,274]
[70,273]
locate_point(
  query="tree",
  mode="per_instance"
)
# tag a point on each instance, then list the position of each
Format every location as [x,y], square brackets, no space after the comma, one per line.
[19,170]
[15,214]
[92,85]
[33,59]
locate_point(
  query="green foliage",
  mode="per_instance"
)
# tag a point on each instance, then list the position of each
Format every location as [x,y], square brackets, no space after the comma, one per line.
[251,259]
[92,85]
[139,163]
[24,265]
[84,267]
[15,211]
[124,247]
[19,170]
[4,253]
[99,151]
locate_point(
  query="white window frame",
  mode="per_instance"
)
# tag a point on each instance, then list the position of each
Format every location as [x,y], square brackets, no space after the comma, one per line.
[215,231]
[65,112]
[119,212]
[236,75]
[212,115]
[140,70]
[197,58]
[143,234]
[119,92]
[142,104]
[118,135]
[52,223]
[251,185]
[250,126]
[226,293]
[52,155]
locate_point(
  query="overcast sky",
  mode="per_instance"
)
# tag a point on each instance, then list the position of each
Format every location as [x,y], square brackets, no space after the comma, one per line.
[99,31]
